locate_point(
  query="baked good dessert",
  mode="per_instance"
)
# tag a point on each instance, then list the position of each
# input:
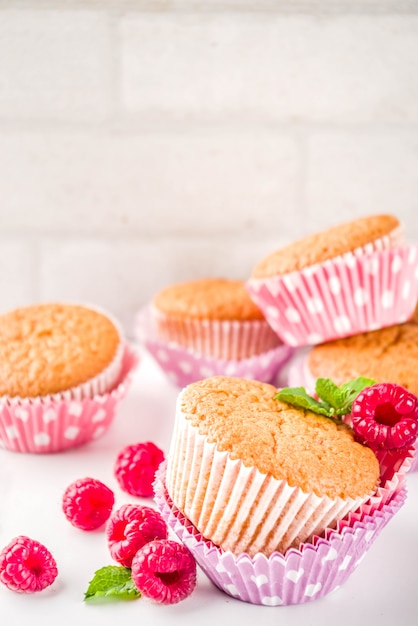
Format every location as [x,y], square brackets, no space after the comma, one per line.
[214,317]
[350,278]
[63,370]
[248,476]
[372,230]
[385,355]
[53,347]
[254,474]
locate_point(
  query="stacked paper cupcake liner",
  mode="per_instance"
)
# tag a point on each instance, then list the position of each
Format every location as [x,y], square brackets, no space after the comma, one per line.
[351,294]
[184,366]
[61,421]
[294,577]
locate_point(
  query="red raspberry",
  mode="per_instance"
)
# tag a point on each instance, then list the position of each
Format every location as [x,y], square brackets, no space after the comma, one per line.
[26,565]
[87,503]
[135,468]
[131,527]
[164,571]
[385,415]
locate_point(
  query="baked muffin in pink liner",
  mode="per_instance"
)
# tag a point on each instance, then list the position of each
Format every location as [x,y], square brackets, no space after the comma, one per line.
[184,366]
[344,296]
[59,422]
[214,317]
[295,577]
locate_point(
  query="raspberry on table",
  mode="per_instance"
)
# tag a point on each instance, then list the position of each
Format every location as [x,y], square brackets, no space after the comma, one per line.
[135,468]
[87,503]
[164,571]
[131,527]
[385,416]
[27,565]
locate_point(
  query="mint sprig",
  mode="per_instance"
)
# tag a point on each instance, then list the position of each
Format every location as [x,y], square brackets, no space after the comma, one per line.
[112,582]
[334,401]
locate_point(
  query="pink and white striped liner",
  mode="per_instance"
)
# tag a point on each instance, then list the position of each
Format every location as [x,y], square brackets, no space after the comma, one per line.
[183,366]
[219,339]
[61,421]
[351,294]
[295,577]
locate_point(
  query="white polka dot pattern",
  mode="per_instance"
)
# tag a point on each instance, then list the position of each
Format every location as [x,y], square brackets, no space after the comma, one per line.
[346,296]
[52,425]
[296,577]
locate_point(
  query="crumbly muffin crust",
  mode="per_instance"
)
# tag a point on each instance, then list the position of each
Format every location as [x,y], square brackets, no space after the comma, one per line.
[325,245]
[49,348]
[207,298]
[385,355]
[312,452]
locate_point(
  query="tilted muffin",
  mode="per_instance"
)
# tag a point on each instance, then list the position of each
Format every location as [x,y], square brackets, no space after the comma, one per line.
[256,475]
[214,317]
[63,369]
[351,278]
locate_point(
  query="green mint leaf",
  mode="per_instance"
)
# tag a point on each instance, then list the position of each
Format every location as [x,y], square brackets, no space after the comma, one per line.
[328,391]
[298,397]
[112,582]
[349,392]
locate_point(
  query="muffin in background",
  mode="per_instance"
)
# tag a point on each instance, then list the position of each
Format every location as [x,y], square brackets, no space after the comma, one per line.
[351,278]
[63,367]
[214,317]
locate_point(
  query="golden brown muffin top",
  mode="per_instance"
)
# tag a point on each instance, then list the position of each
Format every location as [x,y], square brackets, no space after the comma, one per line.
[385,355]
[49,348]
[312,452]
[325,245]
[208,298]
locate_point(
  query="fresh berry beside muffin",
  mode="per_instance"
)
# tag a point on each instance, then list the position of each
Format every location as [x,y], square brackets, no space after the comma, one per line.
[57,361]
[351,278]
[212,316]
[273,492]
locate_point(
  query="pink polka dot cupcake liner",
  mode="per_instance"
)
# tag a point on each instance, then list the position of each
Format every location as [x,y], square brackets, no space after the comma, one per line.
[61,421]
[184,366]
[295,577]
[355,293]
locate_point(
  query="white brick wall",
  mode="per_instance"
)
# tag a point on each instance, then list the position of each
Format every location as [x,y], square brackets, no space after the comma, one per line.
[143,142]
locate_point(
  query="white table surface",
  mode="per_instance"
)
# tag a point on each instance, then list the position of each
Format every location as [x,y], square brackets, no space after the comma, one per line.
[383,589]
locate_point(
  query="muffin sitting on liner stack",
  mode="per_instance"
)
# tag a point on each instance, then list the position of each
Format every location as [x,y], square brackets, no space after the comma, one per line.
[61,366]
[212,316]
[210,326]
[351,278]
[276,502]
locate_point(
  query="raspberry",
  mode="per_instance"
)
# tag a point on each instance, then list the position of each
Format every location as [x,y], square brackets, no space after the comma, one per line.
[135,468]
[164,571]
[385,415]
[131,527]
[26,565]
[87,503]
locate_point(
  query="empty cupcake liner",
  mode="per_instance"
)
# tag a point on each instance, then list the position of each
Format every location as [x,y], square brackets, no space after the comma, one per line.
[294,577]
[357,292]
[219,339]
[183,366]
[213,491]
[61,421]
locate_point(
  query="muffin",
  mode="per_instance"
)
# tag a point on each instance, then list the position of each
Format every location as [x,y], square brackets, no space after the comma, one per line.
[278,505]
[209,327]
[253,474]
[212,316]
[351,278]
[60,369]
